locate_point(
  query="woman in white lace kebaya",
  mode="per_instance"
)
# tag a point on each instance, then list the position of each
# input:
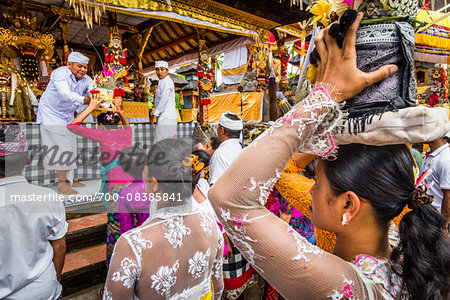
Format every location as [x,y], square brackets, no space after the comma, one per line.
[177,253]
[356,196]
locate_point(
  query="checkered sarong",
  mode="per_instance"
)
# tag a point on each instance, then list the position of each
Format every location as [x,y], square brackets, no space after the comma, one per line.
[236,272]
[88,153]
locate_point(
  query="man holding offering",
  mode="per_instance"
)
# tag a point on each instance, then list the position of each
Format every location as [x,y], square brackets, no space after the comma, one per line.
[68,89]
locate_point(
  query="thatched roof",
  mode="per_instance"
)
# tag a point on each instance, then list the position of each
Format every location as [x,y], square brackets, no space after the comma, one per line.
[191,86]
[187,69]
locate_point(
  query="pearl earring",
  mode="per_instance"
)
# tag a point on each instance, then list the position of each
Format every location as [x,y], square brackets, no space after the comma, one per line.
[344,220]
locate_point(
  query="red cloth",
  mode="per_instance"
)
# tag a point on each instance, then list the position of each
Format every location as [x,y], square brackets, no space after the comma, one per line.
[434,99]
[235,283]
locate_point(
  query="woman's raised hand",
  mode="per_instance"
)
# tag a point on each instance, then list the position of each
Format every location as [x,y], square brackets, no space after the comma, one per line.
[95,102]
[337,66]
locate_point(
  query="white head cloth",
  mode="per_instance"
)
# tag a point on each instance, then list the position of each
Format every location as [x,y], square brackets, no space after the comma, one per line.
[161,64]
[77,57]
[230,124]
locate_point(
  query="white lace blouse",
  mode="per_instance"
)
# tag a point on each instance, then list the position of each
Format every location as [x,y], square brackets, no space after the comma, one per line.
[294,267]
[173,256]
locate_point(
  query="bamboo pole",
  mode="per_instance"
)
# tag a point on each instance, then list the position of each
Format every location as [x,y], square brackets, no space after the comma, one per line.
[141,52]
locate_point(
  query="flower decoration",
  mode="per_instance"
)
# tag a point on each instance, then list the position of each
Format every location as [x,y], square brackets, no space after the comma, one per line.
[328,11]
[109,117]
[192,160]
[322,11]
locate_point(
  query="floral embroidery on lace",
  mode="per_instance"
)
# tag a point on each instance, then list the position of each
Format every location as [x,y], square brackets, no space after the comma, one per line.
[238,235]
[380,272]
[264,187]
[318,109]
[175,230]
[138,242]
[218,267]
[199,263]
[303,246]
[165,279]
[346,291]
[328,120]
[107,294]
[128,273]
[206,224]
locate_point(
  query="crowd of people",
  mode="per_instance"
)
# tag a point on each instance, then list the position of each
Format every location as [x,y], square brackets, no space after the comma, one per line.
[312,219]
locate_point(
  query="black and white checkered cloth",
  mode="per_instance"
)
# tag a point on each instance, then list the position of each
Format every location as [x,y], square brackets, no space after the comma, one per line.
[88,151]
[236,266]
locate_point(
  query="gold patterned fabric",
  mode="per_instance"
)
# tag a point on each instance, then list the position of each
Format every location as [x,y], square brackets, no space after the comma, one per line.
[189,114]
[135,109]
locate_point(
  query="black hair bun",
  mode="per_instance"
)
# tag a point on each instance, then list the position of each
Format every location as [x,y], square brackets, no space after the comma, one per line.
[347,18]
[336,31]
[108,119]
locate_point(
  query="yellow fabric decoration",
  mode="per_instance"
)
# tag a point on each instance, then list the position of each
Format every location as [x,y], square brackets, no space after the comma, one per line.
[251,104]
[134,109]
[189,114]
[235,71]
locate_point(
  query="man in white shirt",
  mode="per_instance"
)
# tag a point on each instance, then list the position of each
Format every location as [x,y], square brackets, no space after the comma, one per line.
[228,131]
[32,227]
[68,89]
[165,114]
[438,159]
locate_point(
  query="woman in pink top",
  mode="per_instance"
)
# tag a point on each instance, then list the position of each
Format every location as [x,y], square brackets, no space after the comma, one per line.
[112,139]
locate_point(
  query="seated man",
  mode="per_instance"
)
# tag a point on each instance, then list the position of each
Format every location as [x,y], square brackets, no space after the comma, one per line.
[32,227]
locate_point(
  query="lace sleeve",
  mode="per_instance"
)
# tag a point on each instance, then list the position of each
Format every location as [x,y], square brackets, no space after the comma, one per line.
[299,270]
[217,269]
[295,188]
[123,273]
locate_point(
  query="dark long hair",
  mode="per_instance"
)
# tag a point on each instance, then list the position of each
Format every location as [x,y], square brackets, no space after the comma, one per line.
[165,163]
[384,177]
[132,161]
[108,119]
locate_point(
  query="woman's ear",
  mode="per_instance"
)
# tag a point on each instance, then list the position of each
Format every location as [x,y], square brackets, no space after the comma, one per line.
[151,184]
[352,205]
[154,183]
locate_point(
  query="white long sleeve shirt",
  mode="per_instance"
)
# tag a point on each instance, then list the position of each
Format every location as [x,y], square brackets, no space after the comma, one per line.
[165,100]
[64,94]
